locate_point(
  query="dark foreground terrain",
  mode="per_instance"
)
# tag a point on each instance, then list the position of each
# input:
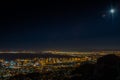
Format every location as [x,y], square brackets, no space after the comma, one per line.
[106,68]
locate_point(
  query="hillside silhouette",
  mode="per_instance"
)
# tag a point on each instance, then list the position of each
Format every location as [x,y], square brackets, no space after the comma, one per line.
[106,68]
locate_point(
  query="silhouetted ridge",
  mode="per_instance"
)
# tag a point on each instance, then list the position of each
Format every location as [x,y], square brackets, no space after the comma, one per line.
[106,68]
[110,59]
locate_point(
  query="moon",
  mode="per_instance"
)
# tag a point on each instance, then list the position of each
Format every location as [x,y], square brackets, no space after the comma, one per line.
[112,11]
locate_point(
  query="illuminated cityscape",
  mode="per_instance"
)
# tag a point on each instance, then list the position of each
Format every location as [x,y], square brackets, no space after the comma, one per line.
[50,63]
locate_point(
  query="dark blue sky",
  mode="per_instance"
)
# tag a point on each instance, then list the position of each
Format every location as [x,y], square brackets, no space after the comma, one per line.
[62,25]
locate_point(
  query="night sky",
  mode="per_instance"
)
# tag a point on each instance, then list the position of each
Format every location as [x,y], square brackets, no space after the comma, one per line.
[62,25]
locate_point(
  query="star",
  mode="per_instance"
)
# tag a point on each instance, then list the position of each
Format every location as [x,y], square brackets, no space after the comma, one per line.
[103,15]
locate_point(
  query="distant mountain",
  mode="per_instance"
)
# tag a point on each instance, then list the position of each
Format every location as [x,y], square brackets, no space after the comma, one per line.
[12,56]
